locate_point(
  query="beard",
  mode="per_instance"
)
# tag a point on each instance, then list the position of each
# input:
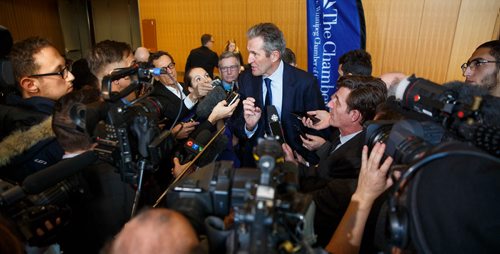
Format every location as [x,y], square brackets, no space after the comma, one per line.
[491,81]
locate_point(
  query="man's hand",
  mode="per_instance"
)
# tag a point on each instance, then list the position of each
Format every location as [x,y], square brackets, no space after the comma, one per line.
[289,154]
[373,179]
[251,113]
[182,130]
[178,168]
[312,142]
[322,115]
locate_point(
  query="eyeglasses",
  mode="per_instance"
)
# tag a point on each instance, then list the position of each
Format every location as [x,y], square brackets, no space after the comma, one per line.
[229,68]
[171,66]
[475,63]
[63,73]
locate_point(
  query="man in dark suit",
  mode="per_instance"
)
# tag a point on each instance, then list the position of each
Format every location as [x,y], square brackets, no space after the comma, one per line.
[333,181]
[203,56]
[292,90]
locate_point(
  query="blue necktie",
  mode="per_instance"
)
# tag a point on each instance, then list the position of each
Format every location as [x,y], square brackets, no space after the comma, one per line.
[268,101]
[269,95]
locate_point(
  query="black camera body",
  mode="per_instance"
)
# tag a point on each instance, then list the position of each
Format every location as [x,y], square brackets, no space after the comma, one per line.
[445,144]
[443,116]
[268,211]
[129,136]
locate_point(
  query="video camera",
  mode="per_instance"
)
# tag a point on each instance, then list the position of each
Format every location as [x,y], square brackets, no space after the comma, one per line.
[442,151]
[269,213]
[43,197]
[442,116]
[129,137]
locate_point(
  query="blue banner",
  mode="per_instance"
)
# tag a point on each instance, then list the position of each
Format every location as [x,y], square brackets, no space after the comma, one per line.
[333,28]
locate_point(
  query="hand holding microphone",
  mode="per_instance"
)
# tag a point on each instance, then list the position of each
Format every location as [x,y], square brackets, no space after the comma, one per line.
[222,110]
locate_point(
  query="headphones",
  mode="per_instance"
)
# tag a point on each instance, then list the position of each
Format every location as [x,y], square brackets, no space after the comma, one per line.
[78,113]
[400,213]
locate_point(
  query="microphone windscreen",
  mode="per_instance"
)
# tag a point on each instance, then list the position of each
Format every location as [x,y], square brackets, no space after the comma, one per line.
[54,174]
[208,103]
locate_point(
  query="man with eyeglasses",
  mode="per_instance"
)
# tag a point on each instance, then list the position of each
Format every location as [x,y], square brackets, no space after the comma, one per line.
[42,77]
[483,67]
[229,66]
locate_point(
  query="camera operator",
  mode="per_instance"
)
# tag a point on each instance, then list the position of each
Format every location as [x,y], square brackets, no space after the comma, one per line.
[108,56]
[106,206]
[42,77]
[483,67]
[332,181]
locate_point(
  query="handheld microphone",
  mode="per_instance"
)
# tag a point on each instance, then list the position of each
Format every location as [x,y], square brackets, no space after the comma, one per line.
[158,71]
[273,120]
[188,166]
[207,104]
[193,147]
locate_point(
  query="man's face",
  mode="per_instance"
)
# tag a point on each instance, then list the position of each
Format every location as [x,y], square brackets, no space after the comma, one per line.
[260,63]
[54,86]
[119,85]
[229,69]
[340,116]
[210,43]
[483,74]
[165,62]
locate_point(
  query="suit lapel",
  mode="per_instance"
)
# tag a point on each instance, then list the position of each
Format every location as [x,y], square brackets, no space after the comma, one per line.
[289,86]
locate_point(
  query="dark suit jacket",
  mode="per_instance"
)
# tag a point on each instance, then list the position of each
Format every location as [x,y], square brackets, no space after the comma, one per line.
[170,102]
[202,57]
[332,184]
[301,93]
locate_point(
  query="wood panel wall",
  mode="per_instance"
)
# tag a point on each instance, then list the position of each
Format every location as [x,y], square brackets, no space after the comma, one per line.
[431,38]
[180,24]
[25,18]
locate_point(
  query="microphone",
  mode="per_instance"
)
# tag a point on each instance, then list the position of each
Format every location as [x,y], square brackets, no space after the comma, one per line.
[158,71]
[193,147]
[54,174]
[207,104]
[273,120]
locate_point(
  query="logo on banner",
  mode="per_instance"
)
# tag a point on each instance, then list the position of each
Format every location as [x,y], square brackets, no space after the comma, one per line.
[333,29]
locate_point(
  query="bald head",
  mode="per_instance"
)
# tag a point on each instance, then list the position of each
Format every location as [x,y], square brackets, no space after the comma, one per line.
[156,231]
[141,54]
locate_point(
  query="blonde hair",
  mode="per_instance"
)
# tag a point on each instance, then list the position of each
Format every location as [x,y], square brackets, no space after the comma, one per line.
[236,49]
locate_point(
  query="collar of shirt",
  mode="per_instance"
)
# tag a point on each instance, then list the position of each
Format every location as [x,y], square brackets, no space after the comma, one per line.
[276,87]
[344,139]
[177,91]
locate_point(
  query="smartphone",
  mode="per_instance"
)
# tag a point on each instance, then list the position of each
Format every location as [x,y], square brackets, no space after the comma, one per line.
[299,116]
[232,97]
